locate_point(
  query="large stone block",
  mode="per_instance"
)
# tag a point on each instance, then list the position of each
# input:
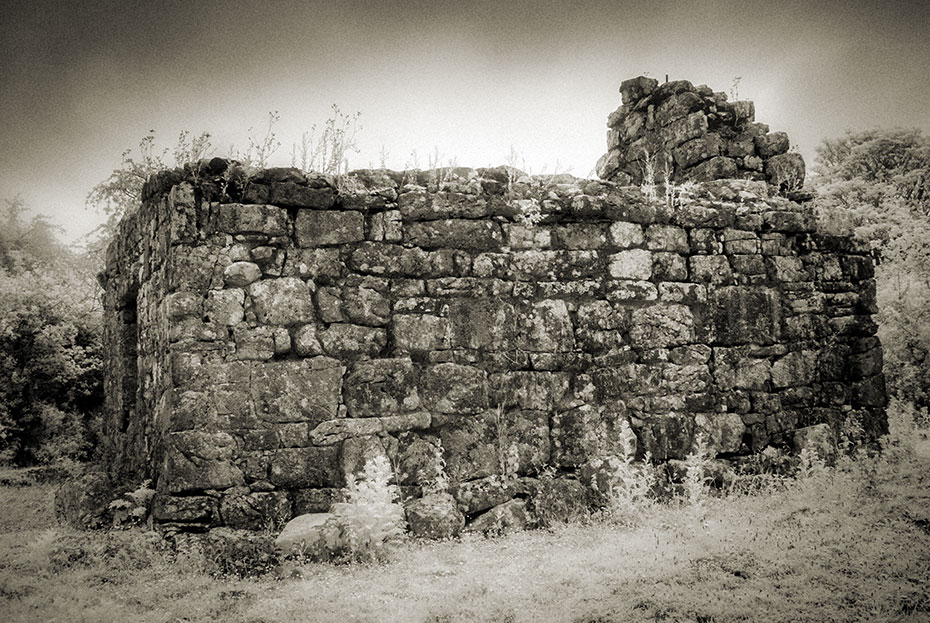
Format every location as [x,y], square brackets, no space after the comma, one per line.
[529,390]
[365,306]
[197,460]
[413,333]
[745,315]
[455,389]
[795,368]
[662,325]
[225,306]
[666,436]
[545,327]
[349,340]
[334,431]
[586,432]
[631,264]
[381,387]
[435,516]
[237,218]
[392,260]
[469,446]
[482,323]
[455,234]
[735,369]
[299,390]
[310,467]
[254,511]
[283,301]
[317,228]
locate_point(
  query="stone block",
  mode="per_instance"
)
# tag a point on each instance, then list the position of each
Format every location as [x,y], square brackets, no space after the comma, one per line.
[545,327]
[310,467]
[455,389]
[666,436]
[225,307]
[413,333]
[698,150]
[317,228]
[198,460]
[315,500]
[579,236]
[202,509]
[480,495]
[795,368]
[735,369]
[771,144]
[254,511]
[586,432]
[241,274]
[305,341]
[744,315]
[712,269]
[296,195]
[635,89]
[560,500]
[365,306]
[722,432]
[626,235]
[435,516]
[505,518]
[666,238]
[183,305]
[392,260]
[297,390]
[631,264]
[669,266]
[455,234]
[260,343]
[662,325]
[529,389]
[469,446]
[237,218]
[719,167]
[283,301]
[785,171]
[381,387]
[349,340]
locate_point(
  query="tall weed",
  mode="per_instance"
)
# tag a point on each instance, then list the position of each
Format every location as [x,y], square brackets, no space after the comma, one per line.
[371,518]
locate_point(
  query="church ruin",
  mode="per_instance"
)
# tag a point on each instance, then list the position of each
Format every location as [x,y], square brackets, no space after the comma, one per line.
[268,331]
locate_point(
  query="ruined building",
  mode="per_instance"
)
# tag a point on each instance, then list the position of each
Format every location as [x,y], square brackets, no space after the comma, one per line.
[269,331]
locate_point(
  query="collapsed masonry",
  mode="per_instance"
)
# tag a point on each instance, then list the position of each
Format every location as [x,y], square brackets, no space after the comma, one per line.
[269,331]
[678,132]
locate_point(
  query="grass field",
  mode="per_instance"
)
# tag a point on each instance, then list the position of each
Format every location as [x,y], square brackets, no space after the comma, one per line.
[845,545]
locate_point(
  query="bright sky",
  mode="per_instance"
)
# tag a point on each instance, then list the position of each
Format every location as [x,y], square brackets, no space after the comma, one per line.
[84,80]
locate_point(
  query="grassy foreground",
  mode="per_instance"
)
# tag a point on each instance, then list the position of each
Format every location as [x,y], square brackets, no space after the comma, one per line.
[845,545]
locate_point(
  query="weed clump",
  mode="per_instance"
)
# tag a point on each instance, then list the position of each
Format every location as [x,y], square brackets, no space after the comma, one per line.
[371,518]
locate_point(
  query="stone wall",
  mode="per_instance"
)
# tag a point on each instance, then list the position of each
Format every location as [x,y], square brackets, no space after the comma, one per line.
[269,331]
[693,133]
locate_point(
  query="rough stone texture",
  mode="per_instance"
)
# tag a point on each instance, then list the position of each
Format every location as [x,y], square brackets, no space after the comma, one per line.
[303,533]
[435,516]
[265,337]
[693,134]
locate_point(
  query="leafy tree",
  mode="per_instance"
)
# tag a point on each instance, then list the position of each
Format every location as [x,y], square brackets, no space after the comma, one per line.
[50,356]
[875,185]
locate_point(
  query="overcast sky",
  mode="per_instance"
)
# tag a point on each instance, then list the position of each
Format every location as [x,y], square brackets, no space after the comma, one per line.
[82,81]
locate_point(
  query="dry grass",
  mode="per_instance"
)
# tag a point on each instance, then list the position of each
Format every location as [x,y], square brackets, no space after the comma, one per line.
[843,546]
